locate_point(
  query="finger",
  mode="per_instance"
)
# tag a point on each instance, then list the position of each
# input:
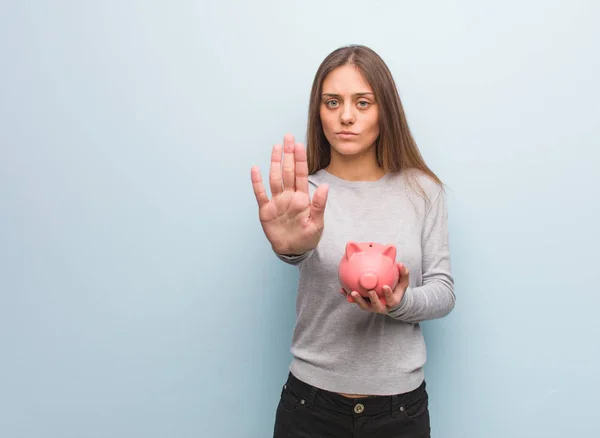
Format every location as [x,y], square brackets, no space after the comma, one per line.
[404,274]
[275,171]
[301,166]
[403,269]
[358,299]
[289,173]
[376,303]
[390,298]
[347,295]
[317,207]
[259,188]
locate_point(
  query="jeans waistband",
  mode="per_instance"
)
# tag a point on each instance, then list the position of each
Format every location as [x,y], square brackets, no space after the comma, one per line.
[332,400]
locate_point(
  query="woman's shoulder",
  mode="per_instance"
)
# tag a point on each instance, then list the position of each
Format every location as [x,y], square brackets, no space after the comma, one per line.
[317,177]
[416,178]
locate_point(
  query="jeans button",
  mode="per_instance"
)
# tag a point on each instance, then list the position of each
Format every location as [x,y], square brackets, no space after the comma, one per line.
[359,408]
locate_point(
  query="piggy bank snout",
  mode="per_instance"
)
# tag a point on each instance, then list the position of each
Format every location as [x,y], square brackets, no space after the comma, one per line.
[368,280]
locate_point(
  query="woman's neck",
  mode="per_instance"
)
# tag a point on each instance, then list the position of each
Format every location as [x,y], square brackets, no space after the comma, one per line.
[355,168]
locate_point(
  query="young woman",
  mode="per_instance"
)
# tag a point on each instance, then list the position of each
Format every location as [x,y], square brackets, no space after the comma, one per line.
[357,368]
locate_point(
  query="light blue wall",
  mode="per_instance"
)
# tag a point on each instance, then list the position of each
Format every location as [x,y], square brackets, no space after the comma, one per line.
[139,297]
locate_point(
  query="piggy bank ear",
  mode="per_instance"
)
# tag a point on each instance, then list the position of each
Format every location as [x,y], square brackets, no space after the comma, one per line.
[390,251]
[351,249]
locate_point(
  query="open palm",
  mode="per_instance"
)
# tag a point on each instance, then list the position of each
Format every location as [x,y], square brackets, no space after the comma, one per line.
[292,222]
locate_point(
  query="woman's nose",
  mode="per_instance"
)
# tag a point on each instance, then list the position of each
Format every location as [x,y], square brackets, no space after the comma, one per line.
[347,115]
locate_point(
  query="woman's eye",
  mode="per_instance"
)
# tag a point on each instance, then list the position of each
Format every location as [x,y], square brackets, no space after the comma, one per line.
[363,104]
[332,103]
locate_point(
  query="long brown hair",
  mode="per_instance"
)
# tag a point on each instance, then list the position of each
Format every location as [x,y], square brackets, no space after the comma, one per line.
[396,148]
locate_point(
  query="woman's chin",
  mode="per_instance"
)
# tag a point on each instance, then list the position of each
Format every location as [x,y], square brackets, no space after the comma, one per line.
[349,148]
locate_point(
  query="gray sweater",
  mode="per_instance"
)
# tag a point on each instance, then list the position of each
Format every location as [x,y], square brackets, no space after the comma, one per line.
[340,347]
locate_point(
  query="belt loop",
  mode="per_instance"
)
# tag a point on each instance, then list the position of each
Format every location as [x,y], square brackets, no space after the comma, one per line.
[311,396]
[394,402]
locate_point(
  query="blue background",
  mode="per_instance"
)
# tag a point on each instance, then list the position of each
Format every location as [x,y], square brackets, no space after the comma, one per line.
[138,295]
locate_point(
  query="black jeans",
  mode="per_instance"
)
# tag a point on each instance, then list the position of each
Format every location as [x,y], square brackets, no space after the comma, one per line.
[308,412]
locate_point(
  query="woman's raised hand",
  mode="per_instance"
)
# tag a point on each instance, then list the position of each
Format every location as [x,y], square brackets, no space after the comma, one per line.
[292,222]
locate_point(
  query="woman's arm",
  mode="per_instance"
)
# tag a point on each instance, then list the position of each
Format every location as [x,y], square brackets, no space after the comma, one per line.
[435,298]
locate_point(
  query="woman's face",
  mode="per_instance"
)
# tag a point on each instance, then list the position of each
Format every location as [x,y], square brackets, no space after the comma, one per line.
[349,113]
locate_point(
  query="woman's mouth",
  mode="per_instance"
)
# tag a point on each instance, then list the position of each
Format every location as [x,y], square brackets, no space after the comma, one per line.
[347,134]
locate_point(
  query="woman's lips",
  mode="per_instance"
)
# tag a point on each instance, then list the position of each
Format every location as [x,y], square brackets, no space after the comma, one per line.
[347,134]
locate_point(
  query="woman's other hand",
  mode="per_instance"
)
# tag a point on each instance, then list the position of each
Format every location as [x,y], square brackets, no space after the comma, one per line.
[392,297]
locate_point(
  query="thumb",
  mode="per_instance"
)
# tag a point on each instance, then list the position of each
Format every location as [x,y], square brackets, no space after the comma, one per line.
[403,273]
[319,200]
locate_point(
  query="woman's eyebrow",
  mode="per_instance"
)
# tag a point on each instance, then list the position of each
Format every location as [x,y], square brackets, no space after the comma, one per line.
[355,94]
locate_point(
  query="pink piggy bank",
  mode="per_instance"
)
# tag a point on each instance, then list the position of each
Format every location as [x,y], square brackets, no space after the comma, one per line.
[368,266]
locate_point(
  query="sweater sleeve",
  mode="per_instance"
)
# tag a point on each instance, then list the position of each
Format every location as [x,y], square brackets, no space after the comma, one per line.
[435,297]
[294,259]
